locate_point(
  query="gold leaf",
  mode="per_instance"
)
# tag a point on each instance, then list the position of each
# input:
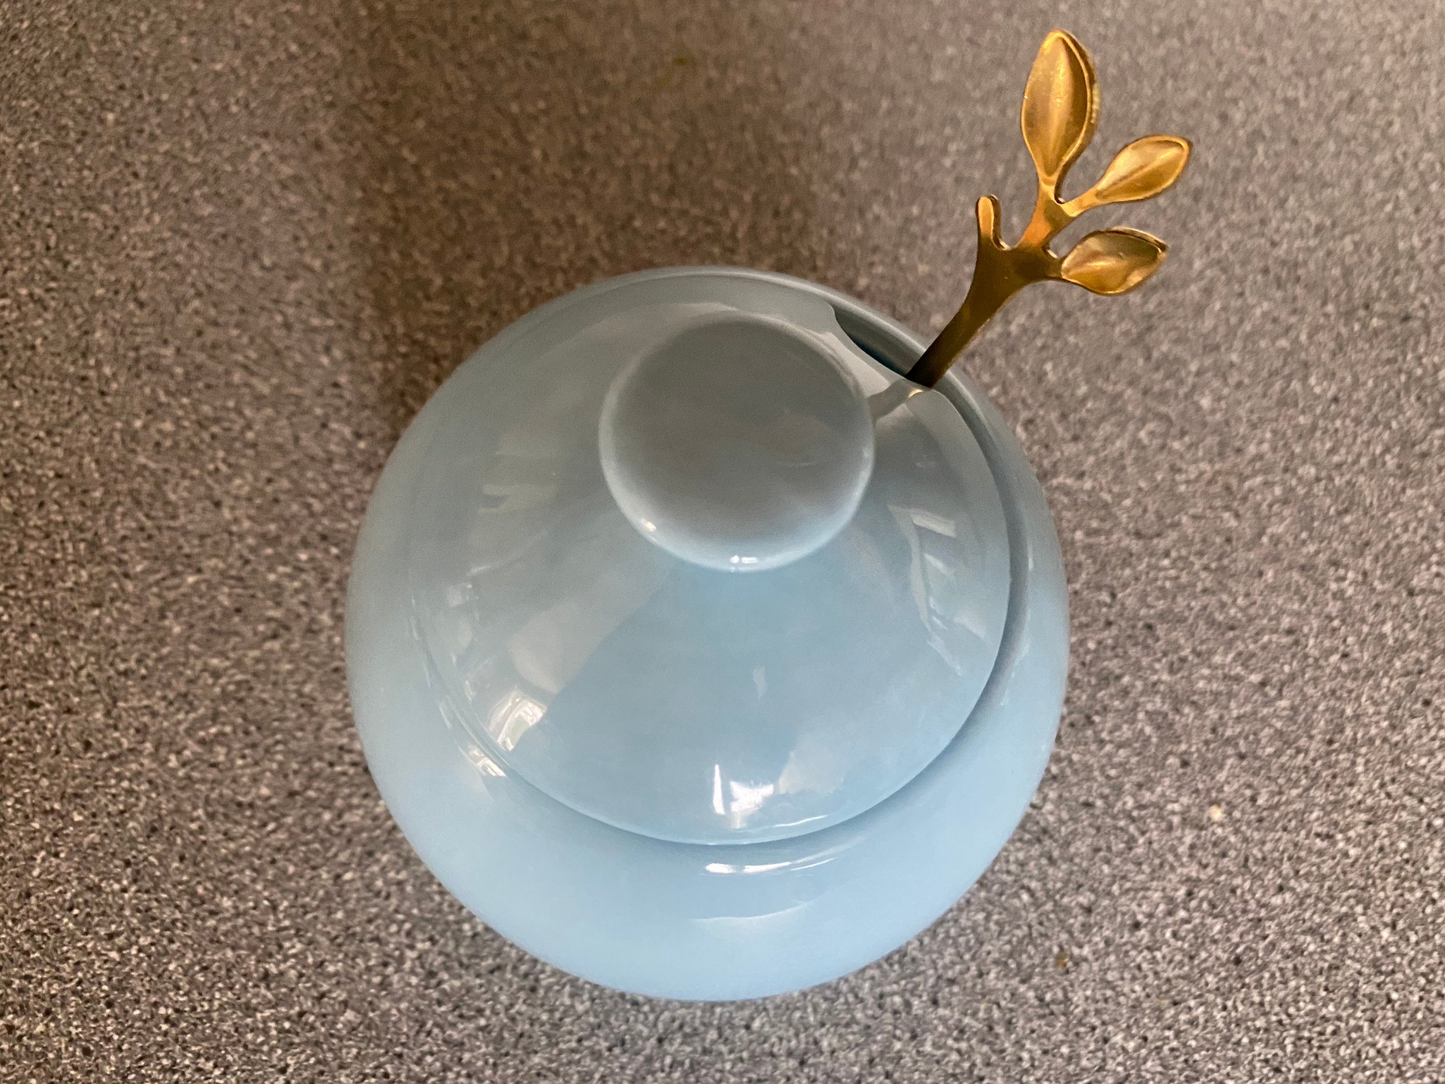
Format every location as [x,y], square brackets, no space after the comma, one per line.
[1144,168]
[1061,107]
[1113,261]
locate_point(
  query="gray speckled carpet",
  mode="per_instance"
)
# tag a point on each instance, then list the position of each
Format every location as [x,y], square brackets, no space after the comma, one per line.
[242,242]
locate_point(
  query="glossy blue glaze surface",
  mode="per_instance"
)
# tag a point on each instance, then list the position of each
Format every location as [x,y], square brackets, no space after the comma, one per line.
[649,690]
[774,911]
[744,442]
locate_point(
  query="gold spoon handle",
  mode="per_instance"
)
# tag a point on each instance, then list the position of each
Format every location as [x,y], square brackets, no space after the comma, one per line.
[1060,113]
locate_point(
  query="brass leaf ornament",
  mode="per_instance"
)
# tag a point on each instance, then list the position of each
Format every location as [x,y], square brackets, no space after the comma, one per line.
[1061,106]
[1143,169]
[1060,113]
[1113,261]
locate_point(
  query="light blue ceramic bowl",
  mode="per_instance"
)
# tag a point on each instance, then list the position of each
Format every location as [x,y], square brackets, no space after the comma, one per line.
[693,648]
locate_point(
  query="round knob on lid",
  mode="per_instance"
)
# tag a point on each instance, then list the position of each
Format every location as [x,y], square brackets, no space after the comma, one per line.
[741,443]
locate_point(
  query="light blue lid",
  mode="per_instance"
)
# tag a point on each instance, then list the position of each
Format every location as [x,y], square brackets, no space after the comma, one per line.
[776,669]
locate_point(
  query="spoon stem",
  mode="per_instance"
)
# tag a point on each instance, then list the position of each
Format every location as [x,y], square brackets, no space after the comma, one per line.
[997,276]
